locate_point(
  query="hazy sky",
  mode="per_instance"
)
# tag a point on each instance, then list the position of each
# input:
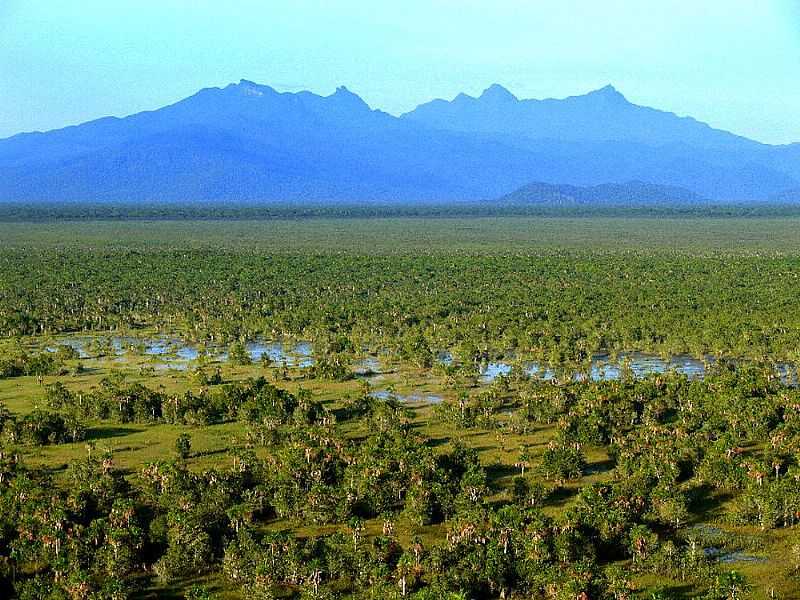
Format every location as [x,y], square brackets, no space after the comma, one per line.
[732,63]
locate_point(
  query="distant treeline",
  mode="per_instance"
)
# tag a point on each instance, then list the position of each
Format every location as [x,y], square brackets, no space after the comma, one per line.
[46,211]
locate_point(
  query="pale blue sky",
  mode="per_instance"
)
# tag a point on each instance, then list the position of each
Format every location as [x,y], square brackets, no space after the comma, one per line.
[732,63]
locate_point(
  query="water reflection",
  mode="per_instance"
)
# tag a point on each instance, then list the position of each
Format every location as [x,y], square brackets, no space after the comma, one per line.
[603,367]
[414,398]
[368,367]
[280,353]
[493,370]
[175,350]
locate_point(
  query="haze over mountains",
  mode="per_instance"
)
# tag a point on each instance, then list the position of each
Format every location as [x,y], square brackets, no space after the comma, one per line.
[248,143]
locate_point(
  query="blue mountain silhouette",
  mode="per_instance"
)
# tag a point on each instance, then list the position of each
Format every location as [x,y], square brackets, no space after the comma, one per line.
[248,142]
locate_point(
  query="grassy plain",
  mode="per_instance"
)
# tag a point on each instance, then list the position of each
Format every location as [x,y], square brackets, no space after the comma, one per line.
[488,235]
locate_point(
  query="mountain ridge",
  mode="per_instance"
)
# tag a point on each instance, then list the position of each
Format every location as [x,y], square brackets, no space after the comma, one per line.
[630,193]
[248,141]
[463,113]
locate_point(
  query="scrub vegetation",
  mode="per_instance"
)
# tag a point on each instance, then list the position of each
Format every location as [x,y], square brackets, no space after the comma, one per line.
[384,462]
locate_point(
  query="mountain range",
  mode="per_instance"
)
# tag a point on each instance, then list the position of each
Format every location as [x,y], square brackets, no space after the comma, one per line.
[249,143]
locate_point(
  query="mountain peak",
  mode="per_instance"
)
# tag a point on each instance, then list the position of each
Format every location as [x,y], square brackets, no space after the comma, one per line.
[251,88]
[344,96]
[497,93]
[608,92]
